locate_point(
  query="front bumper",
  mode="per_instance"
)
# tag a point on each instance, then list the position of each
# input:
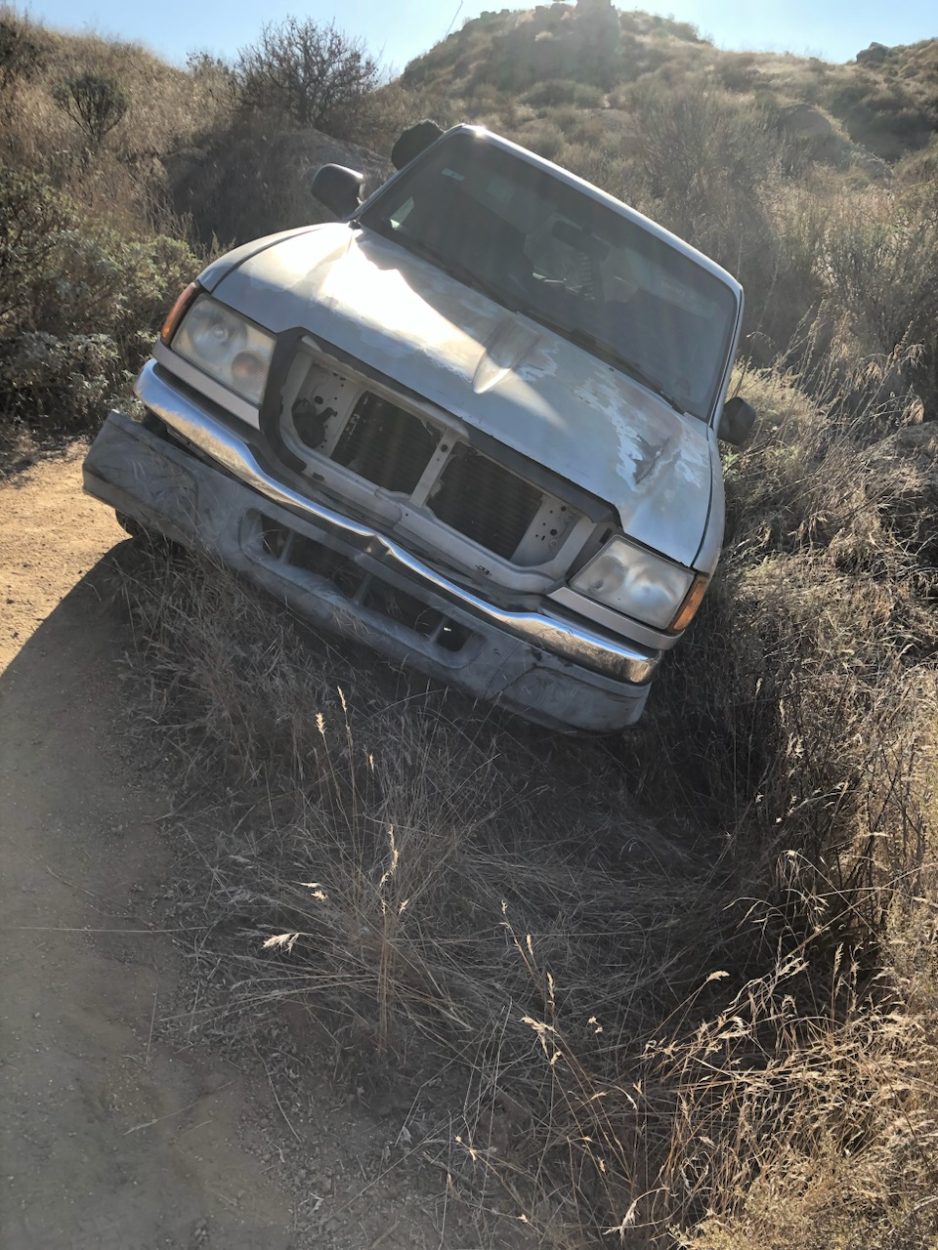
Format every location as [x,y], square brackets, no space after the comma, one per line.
[219,497]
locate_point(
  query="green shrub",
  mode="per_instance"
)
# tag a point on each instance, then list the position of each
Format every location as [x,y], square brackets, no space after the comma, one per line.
[32,217]
[66,382]
[78,304]
[563,91]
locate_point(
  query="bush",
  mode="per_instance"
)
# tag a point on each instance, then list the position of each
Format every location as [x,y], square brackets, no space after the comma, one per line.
[21,55]
[739,72]
[308,73]
[78,304]
[882,254]
[883,115]
[586,49]
[253,177]
[94,103]
[545,95]
[545,138]
[32,217]
[65,382]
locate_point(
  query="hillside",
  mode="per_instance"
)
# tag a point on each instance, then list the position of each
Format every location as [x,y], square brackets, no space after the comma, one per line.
[784,169]
[514,66]
[816,184]
[673,990]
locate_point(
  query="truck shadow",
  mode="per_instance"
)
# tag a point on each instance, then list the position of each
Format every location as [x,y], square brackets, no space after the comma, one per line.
[83,628]
[86,970]
[73,675]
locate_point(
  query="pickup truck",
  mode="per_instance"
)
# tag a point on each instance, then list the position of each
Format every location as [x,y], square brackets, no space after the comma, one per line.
[472,423]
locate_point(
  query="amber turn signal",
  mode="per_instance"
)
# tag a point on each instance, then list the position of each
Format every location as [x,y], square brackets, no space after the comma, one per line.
[692,601]
[178,311]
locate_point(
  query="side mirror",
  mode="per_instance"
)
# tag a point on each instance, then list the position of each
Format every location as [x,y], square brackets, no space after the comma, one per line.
[338,188]
[736,422]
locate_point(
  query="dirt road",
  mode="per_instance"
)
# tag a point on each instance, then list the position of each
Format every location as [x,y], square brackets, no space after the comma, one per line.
[108,1139]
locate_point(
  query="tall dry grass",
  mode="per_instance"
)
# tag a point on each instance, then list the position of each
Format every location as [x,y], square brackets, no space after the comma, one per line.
[680,988]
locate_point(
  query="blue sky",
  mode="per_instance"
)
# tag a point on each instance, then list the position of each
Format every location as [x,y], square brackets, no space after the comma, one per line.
[834,29]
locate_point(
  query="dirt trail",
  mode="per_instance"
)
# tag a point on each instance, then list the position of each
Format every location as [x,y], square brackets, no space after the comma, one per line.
[108,1138]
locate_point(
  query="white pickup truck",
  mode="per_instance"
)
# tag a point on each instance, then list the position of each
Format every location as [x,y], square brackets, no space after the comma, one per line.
[472,424]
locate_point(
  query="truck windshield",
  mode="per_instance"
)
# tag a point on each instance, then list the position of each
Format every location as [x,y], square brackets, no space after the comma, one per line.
[540,246]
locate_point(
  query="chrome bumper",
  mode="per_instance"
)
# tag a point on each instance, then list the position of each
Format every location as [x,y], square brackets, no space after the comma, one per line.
[223,444]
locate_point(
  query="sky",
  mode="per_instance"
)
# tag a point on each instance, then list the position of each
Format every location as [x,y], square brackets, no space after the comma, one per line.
[833,29]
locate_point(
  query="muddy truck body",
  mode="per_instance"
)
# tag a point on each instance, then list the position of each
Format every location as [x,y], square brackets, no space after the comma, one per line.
[473,424]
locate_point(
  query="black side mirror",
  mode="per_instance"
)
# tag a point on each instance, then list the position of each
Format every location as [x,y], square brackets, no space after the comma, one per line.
[338,188]
[736,421]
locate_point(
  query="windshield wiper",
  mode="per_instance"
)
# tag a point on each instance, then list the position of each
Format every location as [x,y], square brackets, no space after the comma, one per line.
[601,348]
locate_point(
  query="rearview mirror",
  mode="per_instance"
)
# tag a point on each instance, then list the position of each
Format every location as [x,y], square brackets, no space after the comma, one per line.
[338,188]
[736,422]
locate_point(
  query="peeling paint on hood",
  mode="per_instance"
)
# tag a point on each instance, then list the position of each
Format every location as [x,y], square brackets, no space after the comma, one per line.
[494,369]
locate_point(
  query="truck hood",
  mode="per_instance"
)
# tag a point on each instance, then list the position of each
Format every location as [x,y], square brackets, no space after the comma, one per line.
[494,369]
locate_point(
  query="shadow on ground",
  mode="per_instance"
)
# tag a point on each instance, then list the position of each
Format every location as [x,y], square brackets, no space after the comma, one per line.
[109,1140]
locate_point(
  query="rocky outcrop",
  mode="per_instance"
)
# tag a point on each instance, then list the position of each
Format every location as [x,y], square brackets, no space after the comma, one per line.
[874,55]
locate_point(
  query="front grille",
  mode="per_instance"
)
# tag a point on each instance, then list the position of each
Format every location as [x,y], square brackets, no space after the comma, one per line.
[289,549]
[328,416]
[385,445]
[484,501]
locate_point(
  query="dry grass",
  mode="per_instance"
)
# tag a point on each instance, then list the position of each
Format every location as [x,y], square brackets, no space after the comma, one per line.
[713,1027]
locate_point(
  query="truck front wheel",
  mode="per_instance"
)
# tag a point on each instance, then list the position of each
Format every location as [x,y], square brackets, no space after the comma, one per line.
[132,526]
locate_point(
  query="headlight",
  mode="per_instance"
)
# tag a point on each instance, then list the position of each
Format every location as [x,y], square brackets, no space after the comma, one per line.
[641,584]
[226,346]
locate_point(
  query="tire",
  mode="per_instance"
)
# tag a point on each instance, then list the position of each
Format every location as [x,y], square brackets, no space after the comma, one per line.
[131,526]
